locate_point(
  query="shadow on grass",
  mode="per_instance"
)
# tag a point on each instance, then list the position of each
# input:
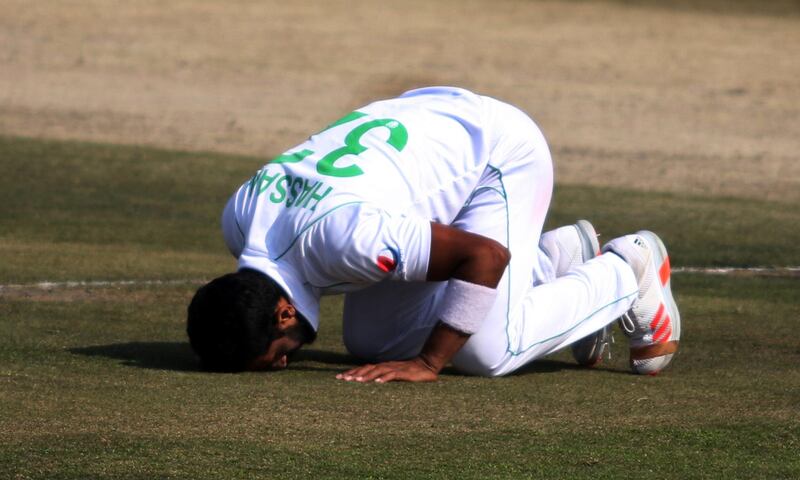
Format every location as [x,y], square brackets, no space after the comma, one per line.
[176,356]
[552,366]
[337,360]
[537,367]
[546,366]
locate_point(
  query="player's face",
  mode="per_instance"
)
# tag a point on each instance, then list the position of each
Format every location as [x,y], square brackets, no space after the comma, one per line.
[289,341]
[278,354]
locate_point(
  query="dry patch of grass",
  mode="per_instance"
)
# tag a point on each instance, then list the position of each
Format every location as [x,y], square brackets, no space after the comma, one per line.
[669,96]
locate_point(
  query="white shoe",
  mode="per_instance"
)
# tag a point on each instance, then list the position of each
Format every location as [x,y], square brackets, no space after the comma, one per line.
[653,323]
[568,247]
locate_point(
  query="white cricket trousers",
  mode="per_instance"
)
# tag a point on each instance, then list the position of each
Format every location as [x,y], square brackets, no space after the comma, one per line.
[535,313]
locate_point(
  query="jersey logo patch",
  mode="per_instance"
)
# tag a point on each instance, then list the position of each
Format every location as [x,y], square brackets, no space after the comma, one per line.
[387,259]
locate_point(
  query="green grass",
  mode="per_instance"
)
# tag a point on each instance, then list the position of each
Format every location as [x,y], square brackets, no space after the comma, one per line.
[144,213]
[99,382]
[154,214]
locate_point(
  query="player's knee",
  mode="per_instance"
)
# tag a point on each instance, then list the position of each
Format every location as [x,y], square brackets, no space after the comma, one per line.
[480,363]
[488,371]
[479,369]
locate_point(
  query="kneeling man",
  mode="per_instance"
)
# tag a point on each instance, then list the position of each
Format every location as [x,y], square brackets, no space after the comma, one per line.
[426,211]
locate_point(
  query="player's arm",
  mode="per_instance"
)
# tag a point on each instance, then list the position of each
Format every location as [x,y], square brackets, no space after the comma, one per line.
[474,265]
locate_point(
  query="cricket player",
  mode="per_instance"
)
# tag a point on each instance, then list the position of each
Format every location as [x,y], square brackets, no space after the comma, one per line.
[426,211]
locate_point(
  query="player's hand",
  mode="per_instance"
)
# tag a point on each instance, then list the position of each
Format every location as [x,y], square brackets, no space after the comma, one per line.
[415,370]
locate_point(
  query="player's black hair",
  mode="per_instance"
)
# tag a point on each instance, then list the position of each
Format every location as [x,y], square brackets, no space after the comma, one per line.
[231,320]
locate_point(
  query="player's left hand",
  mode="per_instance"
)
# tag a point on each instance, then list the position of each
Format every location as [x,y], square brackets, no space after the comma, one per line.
[414,370]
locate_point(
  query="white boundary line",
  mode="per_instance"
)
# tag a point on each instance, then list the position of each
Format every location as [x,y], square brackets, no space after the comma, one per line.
[778,271]
[99,283]
[788,271]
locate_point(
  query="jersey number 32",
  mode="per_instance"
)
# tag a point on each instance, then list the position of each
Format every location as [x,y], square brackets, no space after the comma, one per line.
[398,137]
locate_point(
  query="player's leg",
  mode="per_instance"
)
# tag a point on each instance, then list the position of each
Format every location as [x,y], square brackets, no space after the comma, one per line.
[535,314]
[554,315]
[509,205]
[568,247]
[530,321]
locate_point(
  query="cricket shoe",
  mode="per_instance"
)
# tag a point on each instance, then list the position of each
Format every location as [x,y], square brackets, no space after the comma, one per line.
[567,247]
[653,323]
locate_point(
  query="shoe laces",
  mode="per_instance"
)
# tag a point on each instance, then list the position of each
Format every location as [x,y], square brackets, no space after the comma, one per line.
[607,341]
[627,322]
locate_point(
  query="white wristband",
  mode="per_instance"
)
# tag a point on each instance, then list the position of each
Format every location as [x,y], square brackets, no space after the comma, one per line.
[466,305]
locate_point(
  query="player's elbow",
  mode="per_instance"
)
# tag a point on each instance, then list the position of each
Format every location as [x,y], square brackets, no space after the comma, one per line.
[503,255]
[494,257]
[497,254]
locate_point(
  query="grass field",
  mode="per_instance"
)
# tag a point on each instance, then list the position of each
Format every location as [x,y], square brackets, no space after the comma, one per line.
[99,381]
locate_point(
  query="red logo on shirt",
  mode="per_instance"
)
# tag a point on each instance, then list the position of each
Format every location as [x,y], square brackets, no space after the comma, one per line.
[387,260]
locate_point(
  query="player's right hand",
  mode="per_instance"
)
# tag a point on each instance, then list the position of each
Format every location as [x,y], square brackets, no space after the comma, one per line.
[414,370]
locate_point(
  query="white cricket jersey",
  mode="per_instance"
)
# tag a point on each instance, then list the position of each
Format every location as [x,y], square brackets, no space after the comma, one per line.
[352,205]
